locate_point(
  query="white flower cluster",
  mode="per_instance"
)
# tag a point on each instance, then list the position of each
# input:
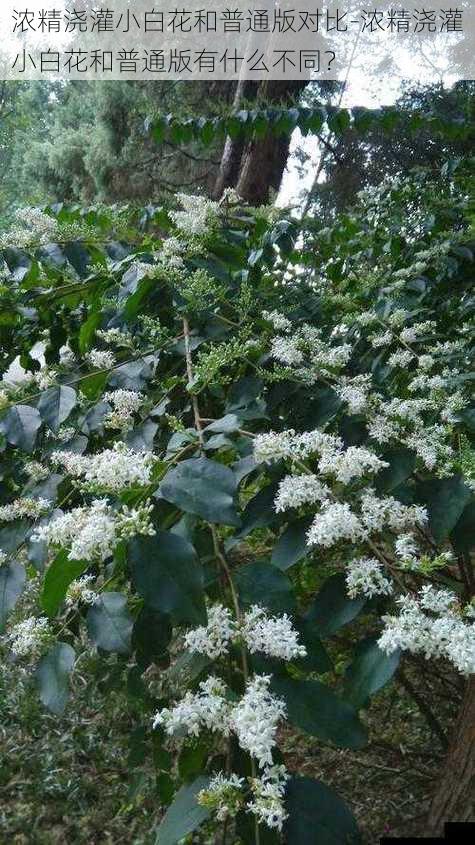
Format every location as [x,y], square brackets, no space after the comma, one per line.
[199,217]
[382,339]
[268,793]
[279,322]
[412,334]
[273,446]
[286,350]
[24,509]
[402,358]
[125,404]
[80,591]
[34,226]
[115,337]
[431,624]
[29,637]
[207,709]
[100,359]
[307,343]
[223,795]
[365,577]
[111,471]
[336,521]
[36,471]
[92,533]
[354,391]
[354,462]
[297,490]
[274,636]
[255,719]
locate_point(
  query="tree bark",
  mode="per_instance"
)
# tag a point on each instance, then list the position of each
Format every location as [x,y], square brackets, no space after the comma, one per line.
[454,798]
[264,159]
[256,166]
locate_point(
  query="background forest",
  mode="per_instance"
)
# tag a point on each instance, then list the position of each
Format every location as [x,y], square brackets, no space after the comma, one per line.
[275,404]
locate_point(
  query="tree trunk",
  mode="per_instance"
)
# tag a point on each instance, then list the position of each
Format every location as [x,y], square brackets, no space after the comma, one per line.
[256,166]
[454,798]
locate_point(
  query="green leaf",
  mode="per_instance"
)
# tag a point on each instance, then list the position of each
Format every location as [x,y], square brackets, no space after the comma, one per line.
[315,709]
[262,583]
[59,576]
[317,814]
[151,635]
[52,677]
[202,487]
[185,814]
[92,386]
[291,545]
[88,330]
[12,582]
[168,575]
[369,672]
[56,405]
[20,426]
[110,624]
[401,465]
[259,511]
[445,499]
[463,535]
[332,608]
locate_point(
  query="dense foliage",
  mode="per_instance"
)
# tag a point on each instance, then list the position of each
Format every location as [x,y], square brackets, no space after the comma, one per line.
[233,436]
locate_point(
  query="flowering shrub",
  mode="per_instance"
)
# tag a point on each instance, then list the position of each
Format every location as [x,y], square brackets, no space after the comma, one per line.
[203,418]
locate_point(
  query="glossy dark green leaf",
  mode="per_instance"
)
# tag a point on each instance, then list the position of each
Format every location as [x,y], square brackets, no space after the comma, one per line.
[291,545]
[317,815]
[184,815]
[262,583]
[56,404]
[370,670]
[332,607]
[317,710]
[445,499]
[52,677]
[110,624]
[202,487]
[168,575]
[401,466]
[12,582]
[59,575]
[20,426]
[463,535]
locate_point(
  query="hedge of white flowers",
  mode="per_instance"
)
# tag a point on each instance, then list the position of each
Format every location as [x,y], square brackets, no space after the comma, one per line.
[212,415]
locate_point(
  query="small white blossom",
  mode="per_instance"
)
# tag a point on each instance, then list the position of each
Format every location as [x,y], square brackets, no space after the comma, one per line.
[200,215]
[297,490]
[366,577]
[214,638]
[255,719]
[24,509]
[279,322]
[36,471]
[207,709]
[336,521]
[274,636]
[29,637]
[112,470]
[80,590]
[100,359]
[286,350]
[268,797]
[223,795]
[401,359]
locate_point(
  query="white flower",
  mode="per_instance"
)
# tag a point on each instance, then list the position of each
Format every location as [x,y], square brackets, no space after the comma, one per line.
[36,471]
[297,490]
[268,794]
[80,590]
[100,359]
[214,638]
[115,337]
[255,719]
[366,577]
[406,548]
[24,509]
[411,334]
[438,601]
[401,358]
[125,404]
[200,215]
[378,513]
[286,350]
[206,709]
[335,522]
[112,470]
[274,636]
[287,444]
[355,462]
[382,429]
[279,322]
[223,795]
[29,637]
[354,391]
[383,339]
[92,533]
